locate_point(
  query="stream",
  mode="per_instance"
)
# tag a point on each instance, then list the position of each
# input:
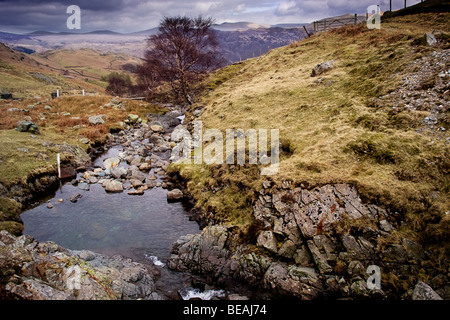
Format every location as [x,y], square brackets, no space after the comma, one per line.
[140,227]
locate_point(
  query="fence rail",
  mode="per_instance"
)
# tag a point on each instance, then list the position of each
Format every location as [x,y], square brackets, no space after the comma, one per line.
[337,22]
[331,23]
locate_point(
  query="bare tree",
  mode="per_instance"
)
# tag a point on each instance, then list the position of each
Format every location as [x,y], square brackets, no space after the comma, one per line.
[181,54]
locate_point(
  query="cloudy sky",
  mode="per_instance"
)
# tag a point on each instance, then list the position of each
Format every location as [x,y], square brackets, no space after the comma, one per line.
[22,16]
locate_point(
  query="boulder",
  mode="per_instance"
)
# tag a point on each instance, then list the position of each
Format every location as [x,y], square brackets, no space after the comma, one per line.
[156,128]
[132,119]
[322,67]
[27,126]
[118,172]
[100,119]
[422,291]
[429,39]
[301,282]
[110,163]
[175,194]
[113,186]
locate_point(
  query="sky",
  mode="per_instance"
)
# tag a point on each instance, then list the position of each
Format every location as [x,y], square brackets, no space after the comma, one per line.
[23,16]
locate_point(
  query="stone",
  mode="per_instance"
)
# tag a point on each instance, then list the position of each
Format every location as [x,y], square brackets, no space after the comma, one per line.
[429,40]
[45,271]
[84,140]
[422,291]
[138,192]
[414,250]
[301,282]
[267,240]
[179,133]
[110,163]
[27,126]
[322,67]
[118,172]
[113,186]
[156,128]
[175,194]
[136,174]
[133,118]
[74,198]
[136,183]
[145,167]
[386,226]
[49,206]
[84,186]
[100,119]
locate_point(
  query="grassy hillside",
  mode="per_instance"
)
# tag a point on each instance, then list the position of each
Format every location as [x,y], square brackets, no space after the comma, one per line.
[27,76]
[363,122]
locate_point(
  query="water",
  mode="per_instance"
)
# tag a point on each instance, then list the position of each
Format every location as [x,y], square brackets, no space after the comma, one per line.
[139,227]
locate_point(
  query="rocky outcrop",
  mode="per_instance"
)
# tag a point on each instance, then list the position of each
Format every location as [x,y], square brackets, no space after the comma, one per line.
[320,242]
[31,270]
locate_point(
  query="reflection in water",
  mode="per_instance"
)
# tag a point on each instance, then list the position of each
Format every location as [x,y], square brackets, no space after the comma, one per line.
[133,226]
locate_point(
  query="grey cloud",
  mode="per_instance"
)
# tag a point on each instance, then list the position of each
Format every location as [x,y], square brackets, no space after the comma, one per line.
[136,15]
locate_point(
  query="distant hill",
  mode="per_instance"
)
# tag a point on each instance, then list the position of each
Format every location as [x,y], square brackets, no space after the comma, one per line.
[26,75]
[238,40]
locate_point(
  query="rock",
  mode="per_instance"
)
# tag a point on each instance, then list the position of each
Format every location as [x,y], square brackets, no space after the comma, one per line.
[113,186]
[100,119]
[118,172]
[179,133]
[136,183]
[422,291]
[74,198]
[386,226]
[50,206]
[322,67]
[266,239]
[45,271]
[414,250]
[429,40]
[84,140]
[110,163]
[137,192]
[84,186]
[27,126]
[300,282]
[156,128]
[133,118]
[136,174]
[175,194]
[145,167]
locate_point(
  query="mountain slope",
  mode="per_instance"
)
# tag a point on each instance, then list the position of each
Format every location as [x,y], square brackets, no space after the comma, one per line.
[42,73]
[378,120]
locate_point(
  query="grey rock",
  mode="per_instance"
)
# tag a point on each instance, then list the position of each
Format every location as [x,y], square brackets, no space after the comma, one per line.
[267,240]
[118,172]
[110,163]
[100,119]
[113,186]
[74,198]
[322,67]
[301,282]
[175,194]
[429,40]
[84,186]
[422,291]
